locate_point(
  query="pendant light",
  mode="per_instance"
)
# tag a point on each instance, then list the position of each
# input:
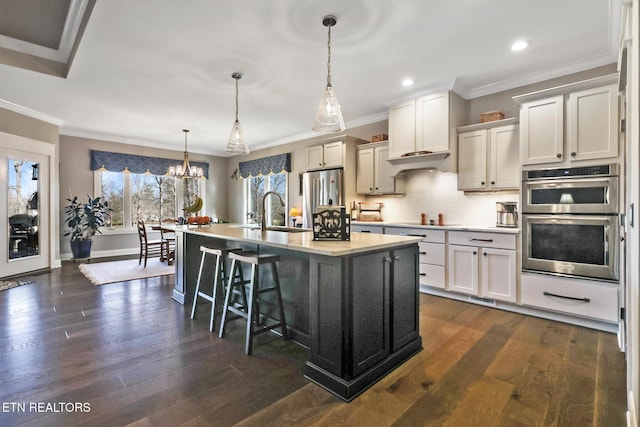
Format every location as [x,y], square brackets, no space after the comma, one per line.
[185,170]
[329,116]
[236,144]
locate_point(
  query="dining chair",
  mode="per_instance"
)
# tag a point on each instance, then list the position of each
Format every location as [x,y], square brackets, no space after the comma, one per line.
[150,247]
[169,236]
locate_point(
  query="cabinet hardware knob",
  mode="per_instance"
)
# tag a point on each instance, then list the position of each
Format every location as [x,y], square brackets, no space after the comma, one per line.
[493,182]
[482,183]
[396,258]
[387,259]
[558,155]
[484,253]
[475,253]
[573,154]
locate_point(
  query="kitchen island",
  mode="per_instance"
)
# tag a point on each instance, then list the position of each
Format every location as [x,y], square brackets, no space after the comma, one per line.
[354,303]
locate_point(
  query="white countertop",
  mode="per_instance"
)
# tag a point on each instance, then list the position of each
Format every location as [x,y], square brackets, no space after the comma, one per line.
[446,227]
[300,241]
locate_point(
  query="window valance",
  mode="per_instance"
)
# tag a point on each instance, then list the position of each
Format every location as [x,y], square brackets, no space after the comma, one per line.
[266,165]
[119,162]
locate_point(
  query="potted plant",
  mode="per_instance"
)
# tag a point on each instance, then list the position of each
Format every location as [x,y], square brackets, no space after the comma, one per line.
[84,221]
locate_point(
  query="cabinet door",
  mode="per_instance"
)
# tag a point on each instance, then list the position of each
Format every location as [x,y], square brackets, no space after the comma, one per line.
[504,167]
[364,171]
[384,182]
[542,131]
[432,122]
[472,160]
[405,297]
[499,274]
[402,129]
[593,120]
[315,157]
[370,310]
[333,154]
[463,269]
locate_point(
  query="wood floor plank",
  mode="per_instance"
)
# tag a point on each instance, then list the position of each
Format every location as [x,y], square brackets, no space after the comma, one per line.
[481,405]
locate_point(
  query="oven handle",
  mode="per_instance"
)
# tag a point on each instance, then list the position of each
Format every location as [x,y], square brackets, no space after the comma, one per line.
[549,294]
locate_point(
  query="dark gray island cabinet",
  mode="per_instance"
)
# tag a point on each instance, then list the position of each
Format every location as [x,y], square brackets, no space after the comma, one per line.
[354,304]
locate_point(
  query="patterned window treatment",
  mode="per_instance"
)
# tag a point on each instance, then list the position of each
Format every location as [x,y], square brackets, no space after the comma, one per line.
[266,165]
[118,162]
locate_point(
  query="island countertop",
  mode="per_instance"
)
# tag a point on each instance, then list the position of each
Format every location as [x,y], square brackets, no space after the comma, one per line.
[299,240]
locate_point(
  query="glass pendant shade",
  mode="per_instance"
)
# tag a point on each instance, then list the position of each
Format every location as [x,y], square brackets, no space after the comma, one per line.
[329,115]
[235,144]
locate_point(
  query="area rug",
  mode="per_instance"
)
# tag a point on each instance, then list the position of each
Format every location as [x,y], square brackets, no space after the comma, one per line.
[102,273]
[8,284]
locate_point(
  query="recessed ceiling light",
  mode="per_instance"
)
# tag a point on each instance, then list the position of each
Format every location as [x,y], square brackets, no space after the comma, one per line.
[407,82]
[519,45]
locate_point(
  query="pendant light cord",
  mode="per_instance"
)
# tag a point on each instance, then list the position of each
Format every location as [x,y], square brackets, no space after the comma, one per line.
[329,56]
[236,78]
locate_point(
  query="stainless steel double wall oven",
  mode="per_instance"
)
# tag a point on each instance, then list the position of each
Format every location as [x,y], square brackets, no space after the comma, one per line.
[570,221]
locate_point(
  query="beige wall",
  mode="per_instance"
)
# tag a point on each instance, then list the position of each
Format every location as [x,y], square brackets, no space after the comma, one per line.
[77,179]
[298,165]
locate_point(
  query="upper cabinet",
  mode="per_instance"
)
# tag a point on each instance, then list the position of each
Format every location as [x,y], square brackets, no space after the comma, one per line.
[571,123]
[423,129]
[328,155]
[488,156]
[374,173]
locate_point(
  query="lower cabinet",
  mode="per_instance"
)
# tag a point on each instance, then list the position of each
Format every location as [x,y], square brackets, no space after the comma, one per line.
[364,316]
[483,264]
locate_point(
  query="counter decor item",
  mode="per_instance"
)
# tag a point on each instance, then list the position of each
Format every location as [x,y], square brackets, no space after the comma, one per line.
[294,213]
[379,138]
[84,221]
[491,116]
[331,223]
[370,211]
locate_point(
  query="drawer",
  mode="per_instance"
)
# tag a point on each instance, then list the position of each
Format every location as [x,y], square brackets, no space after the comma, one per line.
[596,300]
[432,253]
[375,229]
[428,235]
[485,240]
[433,275]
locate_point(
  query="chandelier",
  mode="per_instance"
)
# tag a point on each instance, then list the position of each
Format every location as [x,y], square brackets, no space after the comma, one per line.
[185,170]
[329,115]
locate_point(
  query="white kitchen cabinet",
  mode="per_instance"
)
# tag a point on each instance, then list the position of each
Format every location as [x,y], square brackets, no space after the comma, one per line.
[402,128]
[483,264]
[433,254]
[593,119]
[432,123]
[488,156]
[329,155]
[542,131]
[425,124]
[576,122]
[374,174]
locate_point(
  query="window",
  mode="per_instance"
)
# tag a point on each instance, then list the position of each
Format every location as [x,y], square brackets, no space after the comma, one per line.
[256,188]
[146,197]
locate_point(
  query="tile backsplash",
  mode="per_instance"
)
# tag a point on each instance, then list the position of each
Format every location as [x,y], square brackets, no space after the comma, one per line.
[434,192]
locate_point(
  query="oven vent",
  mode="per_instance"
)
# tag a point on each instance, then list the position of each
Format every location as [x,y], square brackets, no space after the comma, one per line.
[483,301]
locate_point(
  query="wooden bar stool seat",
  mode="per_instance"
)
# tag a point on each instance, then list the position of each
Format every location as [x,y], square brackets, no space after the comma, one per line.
[258,321]
[219,275]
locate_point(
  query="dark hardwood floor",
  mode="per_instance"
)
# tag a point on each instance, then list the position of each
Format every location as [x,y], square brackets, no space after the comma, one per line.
[127,354]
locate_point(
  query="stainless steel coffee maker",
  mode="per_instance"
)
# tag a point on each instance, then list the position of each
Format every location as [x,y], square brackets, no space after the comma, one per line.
[507,214]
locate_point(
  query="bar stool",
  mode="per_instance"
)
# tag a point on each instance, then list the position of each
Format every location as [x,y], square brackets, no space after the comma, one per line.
[219,274]
[255,325]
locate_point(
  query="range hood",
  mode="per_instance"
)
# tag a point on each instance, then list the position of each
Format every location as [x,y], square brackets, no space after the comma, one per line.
[443,161]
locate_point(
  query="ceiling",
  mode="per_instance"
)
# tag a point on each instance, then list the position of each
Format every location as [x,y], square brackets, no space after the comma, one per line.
[141,71]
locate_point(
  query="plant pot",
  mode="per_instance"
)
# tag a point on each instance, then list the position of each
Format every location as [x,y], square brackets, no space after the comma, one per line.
[81,248]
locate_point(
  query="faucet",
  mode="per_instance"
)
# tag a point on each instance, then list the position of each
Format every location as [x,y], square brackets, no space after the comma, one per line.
[263,225]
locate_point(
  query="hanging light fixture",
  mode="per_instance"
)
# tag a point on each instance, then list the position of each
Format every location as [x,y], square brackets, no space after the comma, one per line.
[185,170]
[329,116]
[236,144]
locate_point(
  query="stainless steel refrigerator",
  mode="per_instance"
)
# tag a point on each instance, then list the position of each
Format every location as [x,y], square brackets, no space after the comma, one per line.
[323,187]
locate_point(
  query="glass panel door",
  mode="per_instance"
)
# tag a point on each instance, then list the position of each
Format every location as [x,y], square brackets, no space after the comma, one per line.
[24,208]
